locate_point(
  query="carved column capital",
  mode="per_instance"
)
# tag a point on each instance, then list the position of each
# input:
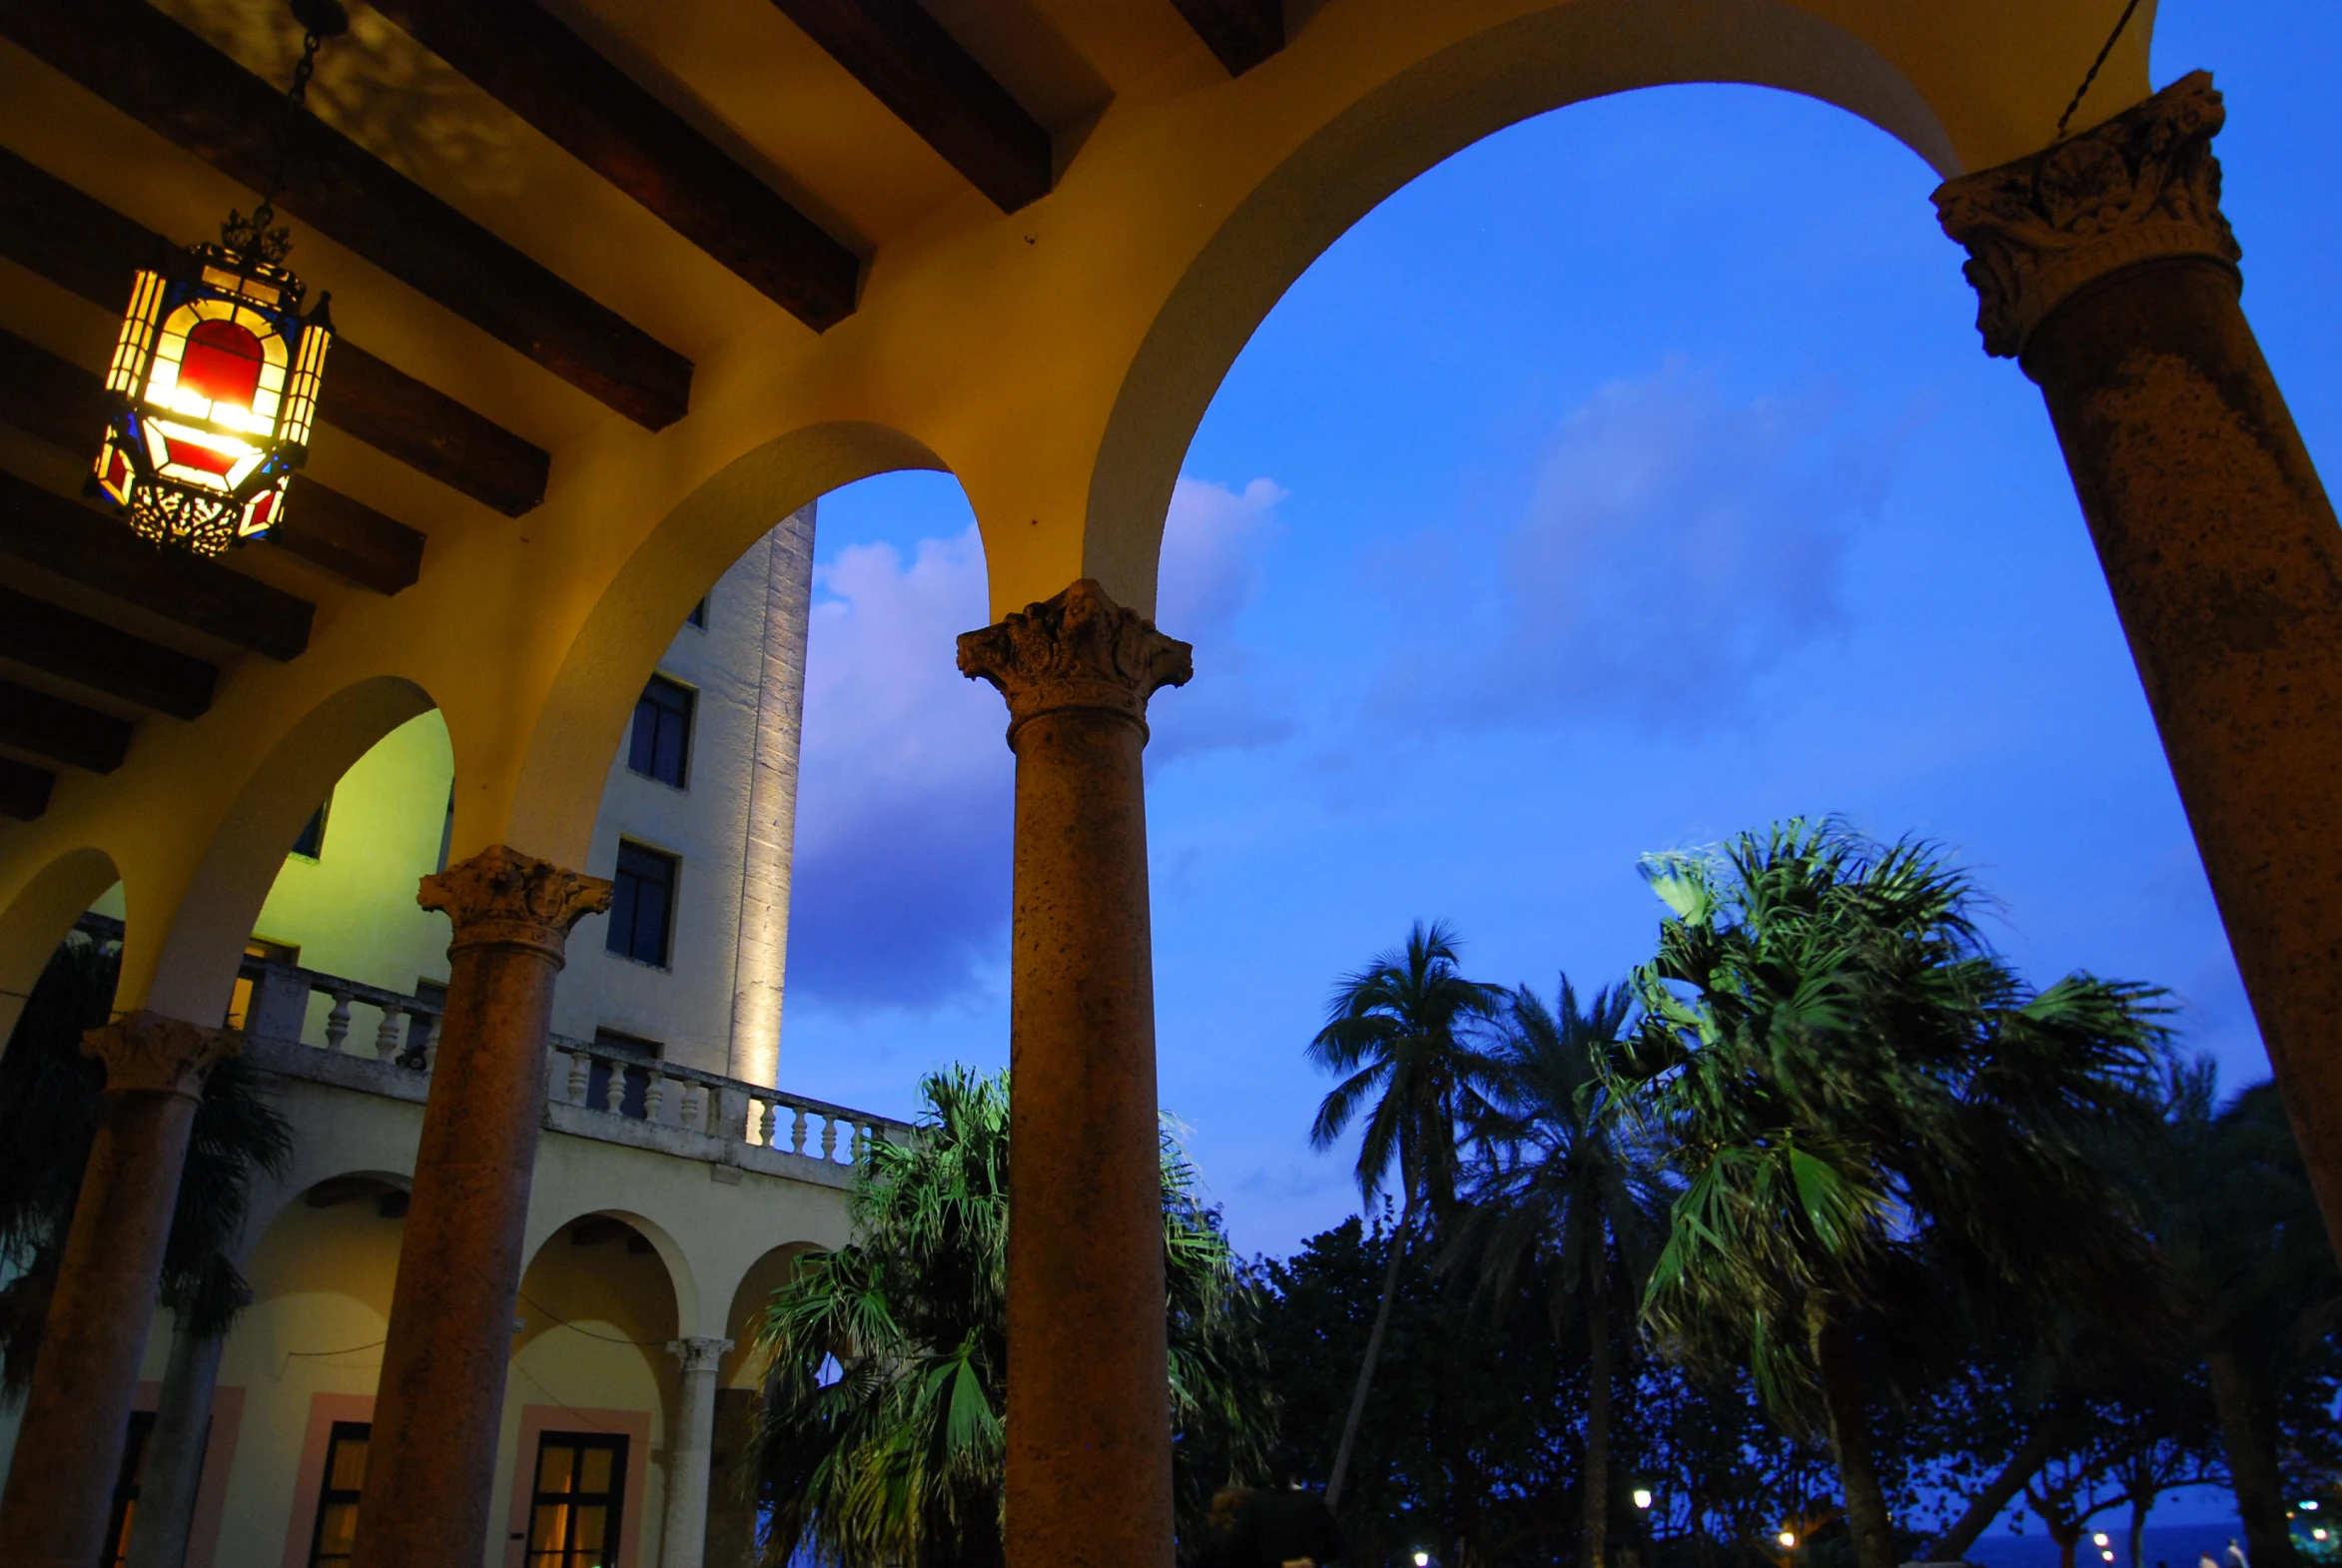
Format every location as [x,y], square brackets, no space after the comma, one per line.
[1077,650]
[2142,187]
[503,898]
[147,1052]
[698,1354]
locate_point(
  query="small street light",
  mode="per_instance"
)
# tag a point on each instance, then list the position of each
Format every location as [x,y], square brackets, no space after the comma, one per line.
[1422,1560]
[2098,1539]
[2309,1505]
[1642,1497]
[1789,1538]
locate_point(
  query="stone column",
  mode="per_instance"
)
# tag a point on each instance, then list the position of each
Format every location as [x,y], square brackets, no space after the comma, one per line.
[1089,1415]
[761,956]
[690,1442]
[174,1467]
[69,1445]
[440,1400]
[2105,268]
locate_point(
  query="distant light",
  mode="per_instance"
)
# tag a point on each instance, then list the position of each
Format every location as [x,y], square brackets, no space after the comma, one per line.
[1789,1538]
[1642,1497]
[1423,1559]
[2319,1533]
[2309,1505]
[2110,1556]
[2098,1539]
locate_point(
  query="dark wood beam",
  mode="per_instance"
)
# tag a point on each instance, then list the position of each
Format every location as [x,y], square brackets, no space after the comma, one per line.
[554,80]
[920,71]
[102,657]
[85,545]
[158,73]
[59,730]
[65,405]
[1241,32]
[24,789]
[87,248]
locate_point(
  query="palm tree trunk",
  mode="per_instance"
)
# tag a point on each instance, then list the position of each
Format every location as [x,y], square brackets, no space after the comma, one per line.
[1594,1553]
[1849,1440]
[1349,1426]
[2247,1434]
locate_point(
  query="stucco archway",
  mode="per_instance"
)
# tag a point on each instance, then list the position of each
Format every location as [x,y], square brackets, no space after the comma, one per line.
[38,918]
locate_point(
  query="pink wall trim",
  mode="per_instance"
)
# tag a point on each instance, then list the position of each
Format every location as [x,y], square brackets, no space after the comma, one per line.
[535,1421]
[324,1411]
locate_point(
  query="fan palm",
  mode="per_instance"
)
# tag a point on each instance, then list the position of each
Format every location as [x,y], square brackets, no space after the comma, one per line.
[1557,1190]
[2253,1288]
[881,1439]
[1400,1029]
[1857,1091]
[50,1104]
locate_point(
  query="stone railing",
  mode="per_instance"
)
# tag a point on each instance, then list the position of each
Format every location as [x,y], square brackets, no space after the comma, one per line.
[648,1104]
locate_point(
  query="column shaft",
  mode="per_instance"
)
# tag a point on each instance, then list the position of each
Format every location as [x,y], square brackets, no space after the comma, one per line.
[2104,265]
[440,1403]
[683,1536]
[174,1467]
[1089,1420]
[77,1413]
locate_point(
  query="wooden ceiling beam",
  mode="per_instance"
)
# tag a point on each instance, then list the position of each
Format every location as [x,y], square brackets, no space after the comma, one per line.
[24,789]
[104,658]
[87,248]
[85,545]
[901,54]
[549,76]
[65,406]
[61,731]
[1243,33]
[162,75]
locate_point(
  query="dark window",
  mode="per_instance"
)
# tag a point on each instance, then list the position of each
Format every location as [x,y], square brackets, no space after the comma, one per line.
[634,1097]
[312,842]
[335,1534]
[643,903]
[134,1459]
[574,1510]
[661,748]
[698,615]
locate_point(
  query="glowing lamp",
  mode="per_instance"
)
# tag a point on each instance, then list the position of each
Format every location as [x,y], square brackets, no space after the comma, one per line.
[214,384]
[1423,1559]
[1642,1497]
[1789,1538]
[2098,1539]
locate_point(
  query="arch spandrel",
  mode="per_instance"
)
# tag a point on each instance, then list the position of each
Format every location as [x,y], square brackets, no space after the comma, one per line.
[38,915]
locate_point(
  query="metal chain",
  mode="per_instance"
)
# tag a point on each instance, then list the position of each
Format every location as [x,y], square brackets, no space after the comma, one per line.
[310,42]
[2092,74]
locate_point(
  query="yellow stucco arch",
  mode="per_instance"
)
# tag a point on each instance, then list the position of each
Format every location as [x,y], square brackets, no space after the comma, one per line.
[184,966]
[1475,87]
[37,917]
[577,727]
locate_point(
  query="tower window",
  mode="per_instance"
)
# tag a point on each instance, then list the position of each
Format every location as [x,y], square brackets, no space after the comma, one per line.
[661,747]
[642,904]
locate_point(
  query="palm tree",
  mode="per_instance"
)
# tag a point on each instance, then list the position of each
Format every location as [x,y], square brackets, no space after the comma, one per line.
[1857,1093]
[1399,1028]
[882,1437]
[2252,1282]
[50,1097]
[1556,1189]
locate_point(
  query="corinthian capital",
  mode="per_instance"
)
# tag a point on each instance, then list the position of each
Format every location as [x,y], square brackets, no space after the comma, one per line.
[503,898]
[2141,187]
[146,1053]
[698,1354]
[1077,650]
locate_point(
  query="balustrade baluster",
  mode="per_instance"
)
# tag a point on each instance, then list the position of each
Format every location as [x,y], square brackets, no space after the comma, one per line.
[387,1041]
[829,1138]
[430,1042]
[580,1074]
[614,1092]
[797,1134]
[654,1095]
[338,1020]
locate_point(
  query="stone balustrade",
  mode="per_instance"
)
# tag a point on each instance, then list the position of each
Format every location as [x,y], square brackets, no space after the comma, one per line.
[591,1091]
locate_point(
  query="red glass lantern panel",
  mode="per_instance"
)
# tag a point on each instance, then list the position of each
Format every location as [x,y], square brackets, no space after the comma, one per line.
[222,363]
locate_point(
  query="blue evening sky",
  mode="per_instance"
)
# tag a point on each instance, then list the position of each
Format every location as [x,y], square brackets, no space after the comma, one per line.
[1631,479]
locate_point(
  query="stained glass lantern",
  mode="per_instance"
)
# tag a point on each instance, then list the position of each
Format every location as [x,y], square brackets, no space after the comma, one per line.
[214,385]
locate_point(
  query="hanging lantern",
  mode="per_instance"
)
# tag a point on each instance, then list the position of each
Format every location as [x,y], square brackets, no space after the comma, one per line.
[216,374]
[216,384]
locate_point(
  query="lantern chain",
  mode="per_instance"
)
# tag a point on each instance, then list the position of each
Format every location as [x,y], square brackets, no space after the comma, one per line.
[252,237]
[2091,75]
